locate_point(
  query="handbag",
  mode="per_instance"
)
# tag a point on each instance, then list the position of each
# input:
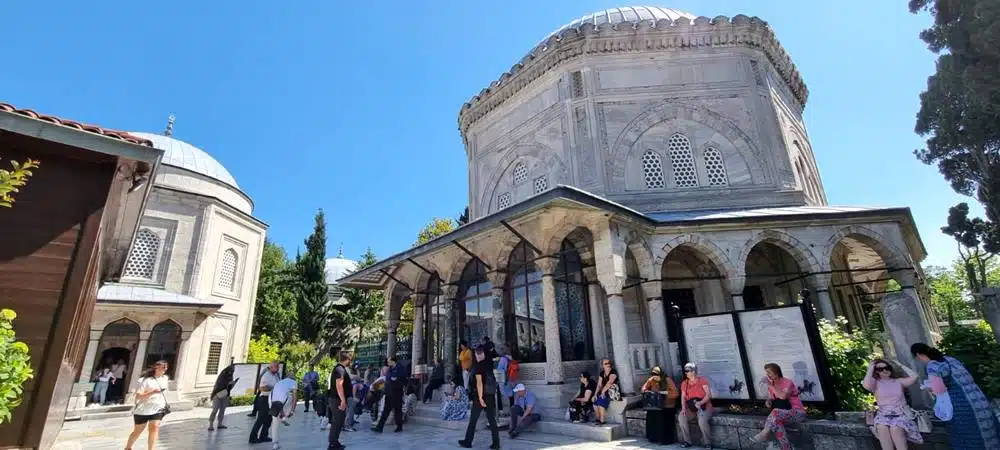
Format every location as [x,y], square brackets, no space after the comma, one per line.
[615,393]
[653,399]
[166,405]
[923,420]
[780,403]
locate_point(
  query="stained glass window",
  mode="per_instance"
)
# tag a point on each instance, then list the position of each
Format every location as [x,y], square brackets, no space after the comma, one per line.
[526,321]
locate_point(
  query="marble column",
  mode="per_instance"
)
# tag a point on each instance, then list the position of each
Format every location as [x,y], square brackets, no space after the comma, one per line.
[390,344]
[180,381]
[417,350]
[138,365]
[550,311]
[87,370]
[735,285]
[820,284]
[619,339]
[450,292]
[738,304]
[658,321]
[499,331]
[595,299]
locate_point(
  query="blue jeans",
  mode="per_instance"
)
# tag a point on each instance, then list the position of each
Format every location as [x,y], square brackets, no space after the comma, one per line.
[519,424]
[100,392]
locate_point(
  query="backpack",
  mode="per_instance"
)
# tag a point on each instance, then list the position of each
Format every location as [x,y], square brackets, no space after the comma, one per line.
[513,370]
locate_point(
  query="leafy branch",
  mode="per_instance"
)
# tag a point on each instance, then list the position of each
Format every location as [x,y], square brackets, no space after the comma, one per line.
[12,180]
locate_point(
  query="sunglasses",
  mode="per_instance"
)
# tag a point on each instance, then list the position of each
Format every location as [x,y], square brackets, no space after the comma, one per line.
[607,364]
[688,370]
[883,369]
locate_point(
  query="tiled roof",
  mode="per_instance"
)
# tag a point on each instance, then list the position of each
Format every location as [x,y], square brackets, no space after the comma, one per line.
[113,134]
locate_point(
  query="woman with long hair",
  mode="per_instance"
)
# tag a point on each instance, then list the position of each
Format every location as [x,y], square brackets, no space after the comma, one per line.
[786,407]
[894,423]
[150,404]
[609,388]
[973,425]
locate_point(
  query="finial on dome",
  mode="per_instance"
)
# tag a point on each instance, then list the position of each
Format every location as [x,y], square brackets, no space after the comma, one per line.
[170,125]
[340,252]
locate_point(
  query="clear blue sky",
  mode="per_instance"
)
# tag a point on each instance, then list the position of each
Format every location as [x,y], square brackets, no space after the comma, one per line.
[352,108]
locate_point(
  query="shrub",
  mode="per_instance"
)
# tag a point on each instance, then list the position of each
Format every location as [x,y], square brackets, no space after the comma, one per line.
[262,350]
[848,355]
[977,349]
[13,179]
[15,366]
[241,400]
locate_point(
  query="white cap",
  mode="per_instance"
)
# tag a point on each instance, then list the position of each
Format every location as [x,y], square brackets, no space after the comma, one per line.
[519,387]
[692,366]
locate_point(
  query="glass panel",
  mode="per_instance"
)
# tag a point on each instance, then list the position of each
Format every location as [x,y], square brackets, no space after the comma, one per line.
[486,307]
[534,275]
[519,277]
[471,292]
[471,309]
[484,288]
[517,297]
[579,325]
[535,301]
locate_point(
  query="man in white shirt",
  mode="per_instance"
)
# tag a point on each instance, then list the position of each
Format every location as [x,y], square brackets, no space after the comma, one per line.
[282,403]
[261,427]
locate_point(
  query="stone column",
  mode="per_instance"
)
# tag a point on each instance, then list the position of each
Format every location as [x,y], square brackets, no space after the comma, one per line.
[180,380]
[735,285]
[390,345]
[820,284]
[658,321]
[595,299]
[619,339]
[417,350]
[609,257]
[137,365]
[88,361]
[904,322]
[553,348]
[499,330]
[450,292]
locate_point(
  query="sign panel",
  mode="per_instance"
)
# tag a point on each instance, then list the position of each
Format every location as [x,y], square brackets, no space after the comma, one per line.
[779,336]
[246,376]
[711,344]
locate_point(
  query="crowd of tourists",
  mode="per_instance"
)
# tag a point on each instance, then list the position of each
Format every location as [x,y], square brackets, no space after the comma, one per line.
[485,381]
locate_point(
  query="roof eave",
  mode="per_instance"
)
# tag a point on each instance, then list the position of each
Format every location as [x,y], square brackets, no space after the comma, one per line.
[28,126]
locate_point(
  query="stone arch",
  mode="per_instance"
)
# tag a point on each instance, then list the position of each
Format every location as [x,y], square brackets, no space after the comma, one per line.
[503,251]
[643,255]
[626,142]
[703,245]
[890,254]
[797,249]
[102,325]
[577,232]
[533,155]
[457,265]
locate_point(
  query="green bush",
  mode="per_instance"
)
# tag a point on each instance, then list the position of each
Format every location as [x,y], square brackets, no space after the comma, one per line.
[848,354]
[262,350]
[977,349]
[241,400]
[15,366]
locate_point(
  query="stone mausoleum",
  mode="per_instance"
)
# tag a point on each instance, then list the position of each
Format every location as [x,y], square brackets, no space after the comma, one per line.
[188,289]
[638,165]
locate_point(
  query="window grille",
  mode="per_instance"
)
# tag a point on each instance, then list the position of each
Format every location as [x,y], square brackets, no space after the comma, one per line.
[682,161]
[652,170]
[142,261]
[227,270]
[715,168]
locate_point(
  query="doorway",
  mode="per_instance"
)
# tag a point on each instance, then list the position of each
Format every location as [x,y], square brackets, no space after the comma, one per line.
[118,359]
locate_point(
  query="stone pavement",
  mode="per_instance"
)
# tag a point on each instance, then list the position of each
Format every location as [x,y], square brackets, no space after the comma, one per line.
[188,430]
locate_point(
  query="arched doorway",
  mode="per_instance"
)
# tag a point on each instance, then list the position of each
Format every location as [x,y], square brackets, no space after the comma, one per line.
[164,344]
[576,343]
[117,346]
[523,310]
[774,276]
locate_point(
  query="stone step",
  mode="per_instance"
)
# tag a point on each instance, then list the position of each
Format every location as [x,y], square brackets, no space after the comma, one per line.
[553,422]
[119,411]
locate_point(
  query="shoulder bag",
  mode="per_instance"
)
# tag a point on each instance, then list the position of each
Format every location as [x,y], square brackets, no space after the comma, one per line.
[166,405]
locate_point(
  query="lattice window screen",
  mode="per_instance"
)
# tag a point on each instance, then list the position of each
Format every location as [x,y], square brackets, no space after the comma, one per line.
[520,173]
[715,168]
[682,161]
[503,200]
[541,184]
[227,270]
[142,261]
[652,170]
[214,356]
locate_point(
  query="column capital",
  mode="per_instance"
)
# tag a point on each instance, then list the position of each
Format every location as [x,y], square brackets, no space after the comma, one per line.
[820,281]
[497,278]
[392,325]
[547,265]
[418,299]
[590,273]
[736,283]
[449,291]
[652,289]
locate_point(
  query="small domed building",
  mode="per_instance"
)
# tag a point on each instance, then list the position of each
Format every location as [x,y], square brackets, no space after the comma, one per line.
[188,290]
[638,166]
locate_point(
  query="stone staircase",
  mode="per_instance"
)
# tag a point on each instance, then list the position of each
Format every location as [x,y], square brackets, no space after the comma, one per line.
[118,411]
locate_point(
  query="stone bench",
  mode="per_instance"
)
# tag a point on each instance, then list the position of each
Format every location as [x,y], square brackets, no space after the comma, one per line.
[733,432]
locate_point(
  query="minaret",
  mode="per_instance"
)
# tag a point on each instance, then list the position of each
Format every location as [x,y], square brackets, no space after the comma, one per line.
[340,253]
[170,125]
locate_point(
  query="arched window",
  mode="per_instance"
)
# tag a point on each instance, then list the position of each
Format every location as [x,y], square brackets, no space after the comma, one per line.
[526,322]
[715,168]
[541,184]
[682,161]
[478,306]
[503,200]
[803,181]
[227,270]
[652,170]
[164,343]
[142,260]
[436,319]
[575,340]
[520,173]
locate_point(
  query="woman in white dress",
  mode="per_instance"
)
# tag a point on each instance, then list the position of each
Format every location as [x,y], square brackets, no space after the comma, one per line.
[150,404]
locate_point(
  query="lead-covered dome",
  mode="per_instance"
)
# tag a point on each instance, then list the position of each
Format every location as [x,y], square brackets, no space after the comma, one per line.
[339,267]
[626,14]
[178,153]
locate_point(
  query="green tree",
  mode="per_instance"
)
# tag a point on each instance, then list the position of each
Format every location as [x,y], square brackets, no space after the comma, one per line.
[12,180]
[949,298]
[848,355]
[15,366]
[438,226]
[366,311]
[276,312]
[315,313]
[262,349]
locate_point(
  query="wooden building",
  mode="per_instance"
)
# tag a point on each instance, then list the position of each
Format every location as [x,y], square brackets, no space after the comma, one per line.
[68,232]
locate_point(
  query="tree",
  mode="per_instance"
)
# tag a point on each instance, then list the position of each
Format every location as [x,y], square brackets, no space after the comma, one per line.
[12,180]
[15,366]
[960,110]
[949,298]
[366,307]
[978,244]
[313,308]
[276,312]
[438,226]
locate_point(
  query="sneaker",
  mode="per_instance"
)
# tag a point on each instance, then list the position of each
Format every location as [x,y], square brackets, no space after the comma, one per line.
[211,428]
[464,444]
[324,426]
[221,427]
[275,446]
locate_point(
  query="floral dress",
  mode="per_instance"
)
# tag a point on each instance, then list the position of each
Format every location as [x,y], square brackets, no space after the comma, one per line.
[456,408]
[973,427]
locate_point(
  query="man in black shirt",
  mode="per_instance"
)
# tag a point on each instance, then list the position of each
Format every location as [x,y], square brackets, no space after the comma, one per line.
[339,392]
[483,386]
[395,381]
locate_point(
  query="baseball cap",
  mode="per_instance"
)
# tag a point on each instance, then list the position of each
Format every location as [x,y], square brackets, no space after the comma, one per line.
[519,387]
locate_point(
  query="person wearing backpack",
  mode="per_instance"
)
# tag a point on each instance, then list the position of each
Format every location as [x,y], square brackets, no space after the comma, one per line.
[511,370]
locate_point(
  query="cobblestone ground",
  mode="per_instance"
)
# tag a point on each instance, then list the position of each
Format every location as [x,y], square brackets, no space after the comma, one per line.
[188,430]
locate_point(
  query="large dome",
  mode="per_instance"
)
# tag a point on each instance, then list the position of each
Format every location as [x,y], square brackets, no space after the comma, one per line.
[180,154]
[337,268]
[626,14]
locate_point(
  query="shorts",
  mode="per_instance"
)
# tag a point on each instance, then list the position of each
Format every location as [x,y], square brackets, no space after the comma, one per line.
[141,420]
